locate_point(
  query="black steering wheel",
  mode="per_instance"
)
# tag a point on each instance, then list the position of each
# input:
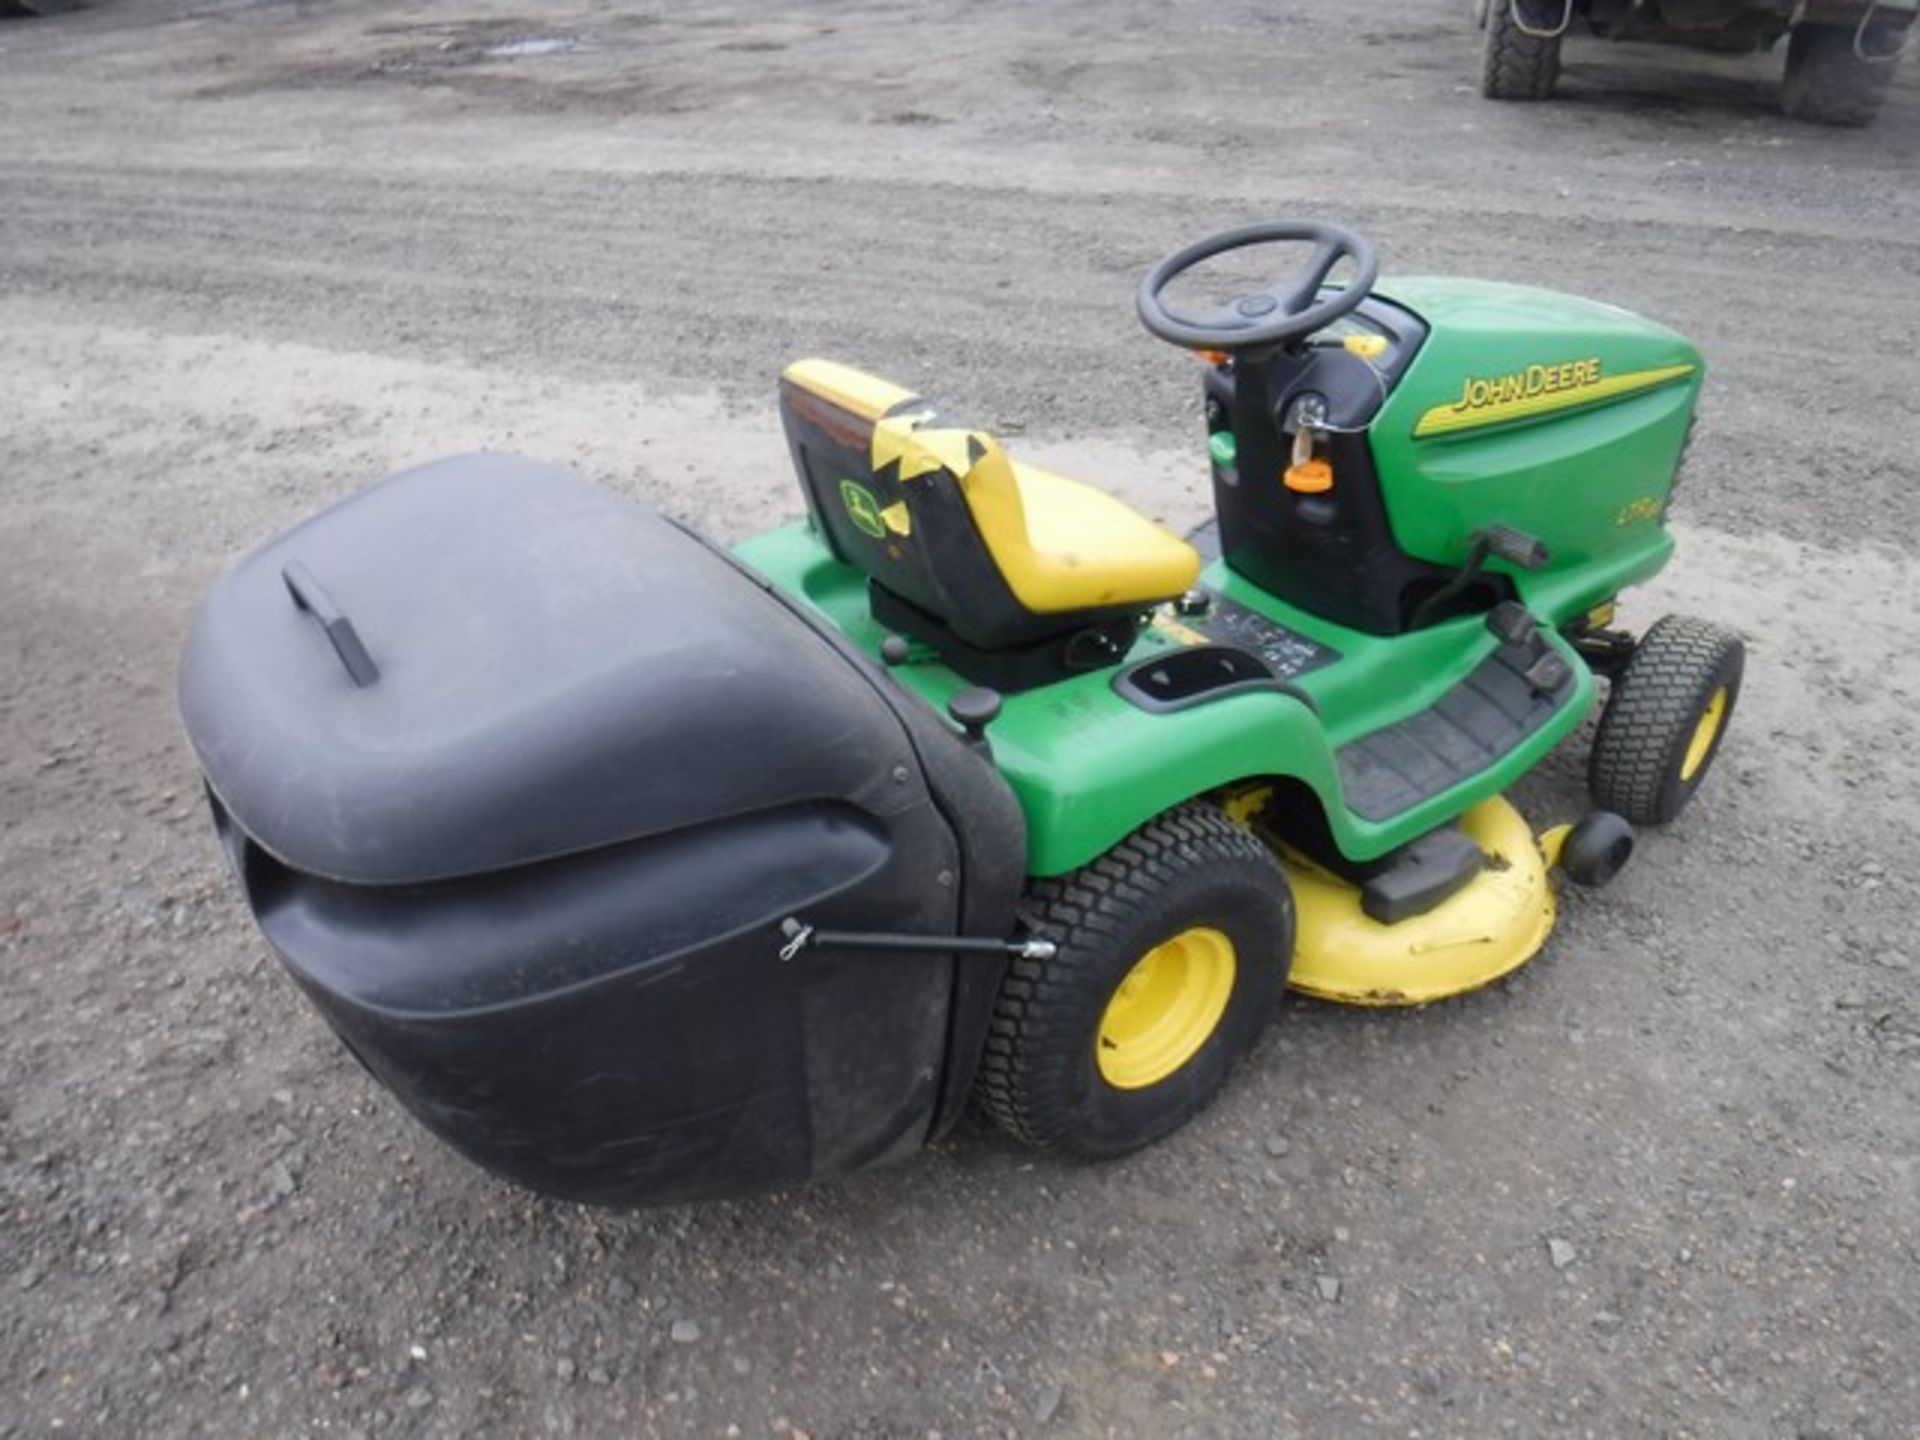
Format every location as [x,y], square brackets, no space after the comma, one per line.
[1263,318]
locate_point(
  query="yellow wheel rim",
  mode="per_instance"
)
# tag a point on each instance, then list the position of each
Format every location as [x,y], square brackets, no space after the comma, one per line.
[1165,1009]
[1705,732]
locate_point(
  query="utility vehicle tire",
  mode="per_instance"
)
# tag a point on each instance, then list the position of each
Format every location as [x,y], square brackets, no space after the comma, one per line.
[1192,916]
[1516,65]
[1665,719]
[1827,82]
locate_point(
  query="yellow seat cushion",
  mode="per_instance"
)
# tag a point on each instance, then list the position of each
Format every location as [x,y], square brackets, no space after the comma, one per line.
[1083,549]
[1061,545]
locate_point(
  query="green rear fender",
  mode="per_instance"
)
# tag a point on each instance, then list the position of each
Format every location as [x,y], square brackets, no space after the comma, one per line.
[1087,767]
[1083,789]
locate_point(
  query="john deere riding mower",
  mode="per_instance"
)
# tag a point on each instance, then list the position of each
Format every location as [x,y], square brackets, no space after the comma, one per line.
[644,871]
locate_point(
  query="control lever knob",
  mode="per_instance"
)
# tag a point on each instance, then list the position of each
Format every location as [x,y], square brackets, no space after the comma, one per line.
[1516,547]
[973,709]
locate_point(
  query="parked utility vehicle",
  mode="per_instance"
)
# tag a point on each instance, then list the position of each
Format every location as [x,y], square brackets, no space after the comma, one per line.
[1841,54]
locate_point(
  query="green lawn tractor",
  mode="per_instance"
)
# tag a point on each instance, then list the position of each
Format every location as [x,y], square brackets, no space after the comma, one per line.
[644,871]
[1841,54]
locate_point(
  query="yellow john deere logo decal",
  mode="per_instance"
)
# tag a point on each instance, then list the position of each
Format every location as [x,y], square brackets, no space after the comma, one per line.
[862,509]
[1538,390]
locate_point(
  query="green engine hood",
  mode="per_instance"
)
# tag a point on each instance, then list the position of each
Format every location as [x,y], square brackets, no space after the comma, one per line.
[1504,353]
[1558,416]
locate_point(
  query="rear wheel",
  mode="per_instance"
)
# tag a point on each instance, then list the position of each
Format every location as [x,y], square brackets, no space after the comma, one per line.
[1173,949]
[1518,65]
[1827,80]
[1665,719]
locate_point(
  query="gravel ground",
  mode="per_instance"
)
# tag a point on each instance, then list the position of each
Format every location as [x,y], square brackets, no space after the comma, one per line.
[254,255]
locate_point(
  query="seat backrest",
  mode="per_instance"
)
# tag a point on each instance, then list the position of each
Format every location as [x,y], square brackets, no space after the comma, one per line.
[901,493]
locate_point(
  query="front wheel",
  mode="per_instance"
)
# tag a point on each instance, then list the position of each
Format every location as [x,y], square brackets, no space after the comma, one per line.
[1173,949]
[1665,719]
[1828,80]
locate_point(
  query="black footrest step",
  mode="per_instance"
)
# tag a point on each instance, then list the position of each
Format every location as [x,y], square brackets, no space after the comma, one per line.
[1469,728]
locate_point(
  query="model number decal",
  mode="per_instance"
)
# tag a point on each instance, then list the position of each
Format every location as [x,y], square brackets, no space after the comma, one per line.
[1538,390]
[1647,507]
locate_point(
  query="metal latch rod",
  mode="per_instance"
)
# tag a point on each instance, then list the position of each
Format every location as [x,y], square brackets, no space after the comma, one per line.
[801,935]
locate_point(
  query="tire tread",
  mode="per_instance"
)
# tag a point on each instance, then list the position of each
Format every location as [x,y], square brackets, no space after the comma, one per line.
[1079,911]
[1516,65]
[1655,705]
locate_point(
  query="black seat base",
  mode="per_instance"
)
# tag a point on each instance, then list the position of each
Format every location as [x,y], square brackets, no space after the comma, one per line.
[1086,640]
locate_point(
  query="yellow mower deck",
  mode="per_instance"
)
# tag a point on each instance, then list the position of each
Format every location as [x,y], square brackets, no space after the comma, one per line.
[1489,929]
